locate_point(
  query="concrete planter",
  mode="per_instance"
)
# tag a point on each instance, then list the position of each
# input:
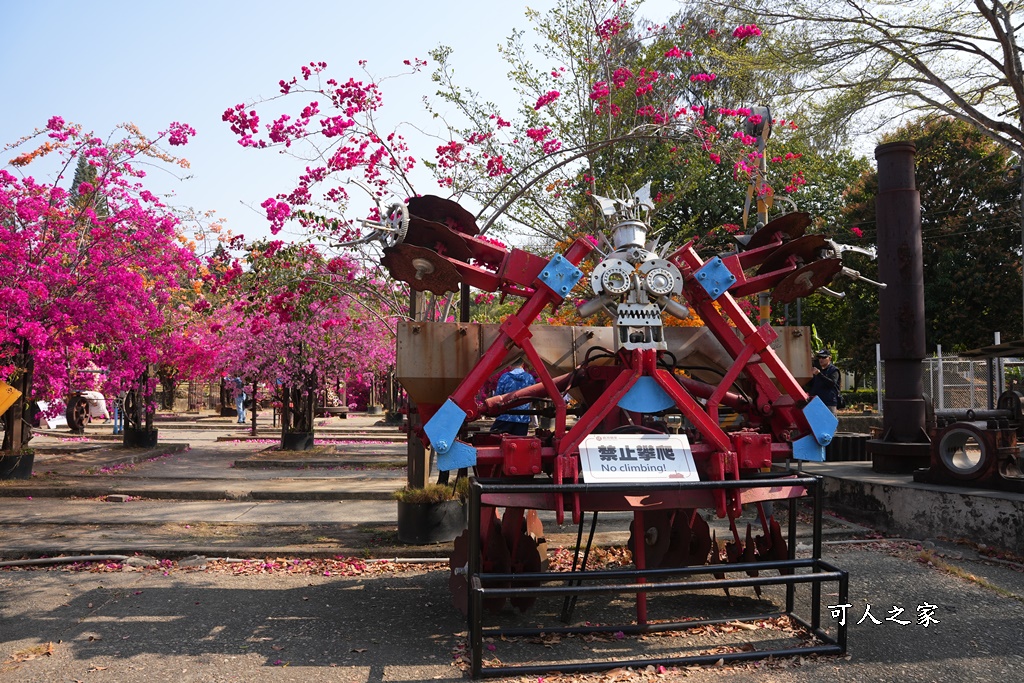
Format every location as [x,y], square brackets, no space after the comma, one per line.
[297,441]
[426,523]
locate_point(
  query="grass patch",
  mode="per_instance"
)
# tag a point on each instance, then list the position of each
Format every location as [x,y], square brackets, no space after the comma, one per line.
[929,558]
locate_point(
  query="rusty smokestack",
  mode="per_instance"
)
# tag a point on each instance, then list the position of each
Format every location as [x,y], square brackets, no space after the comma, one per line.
[904,445]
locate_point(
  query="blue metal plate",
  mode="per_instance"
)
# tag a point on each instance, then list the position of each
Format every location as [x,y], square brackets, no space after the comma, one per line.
[560,276]
[715,277]
[458,456]
[443,428]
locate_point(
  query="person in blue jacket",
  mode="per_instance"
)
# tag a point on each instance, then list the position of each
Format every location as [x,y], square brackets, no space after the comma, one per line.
[513,422]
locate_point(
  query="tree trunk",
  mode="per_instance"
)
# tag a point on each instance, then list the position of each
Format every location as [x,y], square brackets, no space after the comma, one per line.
[169,386]
[286,412]
[255,383]
[18,432]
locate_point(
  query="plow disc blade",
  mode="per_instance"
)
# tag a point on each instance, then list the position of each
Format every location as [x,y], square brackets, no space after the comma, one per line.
[804,281]
[656,537]
[496,558]
[423,269]
[528,551]
[700,541]
[716,558]
[778,549]
[791,226]
[749,555]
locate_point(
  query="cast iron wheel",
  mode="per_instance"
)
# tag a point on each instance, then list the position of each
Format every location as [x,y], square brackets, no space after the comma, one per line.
[77,413]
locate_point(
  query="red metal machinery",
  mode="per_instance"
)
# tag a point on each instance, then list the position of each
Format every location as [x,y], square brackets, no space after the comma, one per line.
[624,392]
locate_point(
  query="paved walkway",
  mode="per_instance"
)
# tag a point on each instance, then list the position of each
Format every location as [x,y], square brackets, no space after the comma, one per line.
[201,491]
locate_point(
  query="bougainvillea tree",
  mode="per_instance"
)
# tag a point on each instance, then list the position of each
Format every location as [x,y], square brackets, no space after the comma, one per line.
[298,324]
[84,274]
[611,100]
[188,348]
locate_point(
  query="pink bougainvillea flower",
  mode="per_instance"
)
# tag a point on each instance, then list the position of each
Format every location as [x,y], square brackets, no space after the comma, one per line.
[547,98]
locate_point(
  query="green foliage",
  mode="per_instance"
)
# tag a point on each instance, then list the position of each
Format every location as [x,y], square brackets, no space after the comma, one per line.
[867,63]
[856,396]
[92,199]
[624,114]
[970,238]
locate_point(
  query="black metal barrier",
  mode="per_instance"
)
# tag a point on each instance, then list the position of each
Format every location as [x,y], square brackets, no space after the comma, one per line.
[847,446]
[813,571]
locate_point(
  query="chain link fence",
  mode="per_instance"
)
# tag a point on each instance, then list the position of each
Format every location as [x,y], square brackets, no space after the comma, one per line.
[954,383]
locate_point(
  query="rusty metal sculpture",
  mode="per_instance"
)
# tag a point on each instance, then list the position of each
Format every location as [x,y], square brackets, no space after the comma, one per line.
[624,388]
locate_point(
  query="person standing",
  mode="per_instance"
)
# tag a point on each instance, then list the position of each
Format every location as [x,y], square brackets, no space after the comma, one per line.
[825,381]
[513,422]
[240,399]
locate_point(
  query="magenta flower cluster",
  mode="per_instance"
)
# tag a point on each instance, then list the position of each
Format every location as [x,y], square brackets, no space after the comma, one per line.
[546,99]
[746,31]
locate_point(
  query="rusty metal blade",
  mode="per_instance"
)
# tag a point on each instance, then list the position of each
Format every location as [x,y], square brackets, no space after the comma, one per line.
[423,269]
[804,281]
[444,211]
[791,226]
[802,250]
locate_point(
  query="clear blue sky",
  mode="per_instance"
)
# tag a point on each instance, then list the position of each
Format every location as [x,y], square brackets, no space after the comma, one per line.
[152,62]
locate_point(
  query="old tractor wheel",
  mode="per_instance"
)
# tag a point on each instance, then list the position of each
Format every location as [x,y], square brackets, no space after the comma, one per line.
[77,413]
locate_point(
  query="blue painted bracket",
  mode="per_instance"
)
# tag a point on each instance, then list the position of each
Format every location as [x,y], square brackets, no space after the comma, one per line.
[715,277]
[560,276]
[443,431]
[823,426]
[458,456]
[808,449]
[646,396]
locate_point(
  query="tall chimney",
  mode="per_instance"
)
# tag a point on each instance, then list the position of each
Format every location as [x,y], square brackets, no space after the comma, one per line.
[904,445]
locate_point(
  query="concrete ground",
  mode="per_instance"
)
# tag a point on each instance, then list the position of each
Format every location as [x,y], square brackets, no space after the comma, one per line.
[284,607]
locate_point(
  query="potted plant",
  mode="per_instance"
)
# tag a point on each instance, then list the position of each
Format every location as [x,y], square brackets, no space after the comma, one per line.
[433,514]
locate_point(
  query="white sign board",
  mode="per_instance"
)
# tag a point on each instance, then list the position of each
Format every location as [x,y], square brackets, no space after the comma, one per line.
[55,422]
[616,458]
